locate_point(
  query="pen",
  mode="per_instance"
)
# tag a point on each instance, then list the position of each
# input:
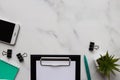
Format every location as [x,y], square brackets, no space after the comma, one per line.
[87,68]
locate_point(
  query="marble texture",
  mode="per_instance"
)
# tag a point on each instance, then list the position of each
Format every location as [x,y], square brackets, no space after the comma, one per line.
[64,27]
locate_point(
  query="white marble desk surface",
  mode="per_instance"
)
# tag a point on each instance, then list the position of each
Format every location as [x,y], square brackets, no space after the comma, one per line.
[63,27]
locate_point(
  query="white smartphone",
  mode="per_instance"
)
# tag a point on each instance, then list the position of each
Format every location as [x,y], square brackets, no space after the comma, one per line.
[8,32]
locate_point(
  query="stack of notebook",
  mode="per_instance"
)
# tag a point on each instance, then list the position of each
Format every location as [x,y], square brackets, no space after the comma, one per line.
[7,71]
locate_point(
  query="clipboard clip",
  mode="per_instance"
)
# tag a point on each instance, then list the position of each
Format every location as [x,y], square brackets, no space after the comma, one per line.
[55,61]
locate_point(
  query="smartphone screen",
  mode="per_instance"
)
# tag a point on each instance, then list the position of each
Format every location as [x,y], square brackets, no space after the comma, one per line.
[6,31]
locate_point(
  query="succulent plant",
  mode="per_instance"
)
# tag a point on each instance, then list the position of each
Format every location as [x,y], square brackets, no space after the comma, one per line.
[107,65]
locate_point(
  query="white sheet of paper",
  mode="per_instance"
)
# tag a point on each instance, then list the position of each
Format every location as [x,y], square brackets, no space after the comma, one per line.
[55,73]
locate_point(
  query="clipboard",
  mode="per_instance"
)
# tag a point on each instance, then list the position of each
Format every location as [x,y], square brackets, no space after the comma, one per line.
[55,67]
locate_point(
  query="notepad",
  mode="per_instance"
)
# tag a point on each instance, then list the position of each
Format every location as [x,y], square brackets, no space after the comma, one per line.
[7,71]
[52,73]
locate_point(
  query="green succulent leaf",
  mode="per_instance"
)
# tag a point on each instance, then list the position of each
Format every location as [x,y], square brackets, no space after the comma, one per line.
[113,72]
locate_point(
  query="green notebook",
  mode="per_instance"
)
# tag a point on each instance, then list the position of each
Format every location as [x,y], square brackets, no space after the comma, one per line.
[7,71]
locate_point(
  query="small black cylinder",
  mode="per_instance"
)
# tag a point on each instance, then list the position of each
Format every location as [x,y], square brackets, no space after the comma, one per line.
[20,57]
[9,53]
